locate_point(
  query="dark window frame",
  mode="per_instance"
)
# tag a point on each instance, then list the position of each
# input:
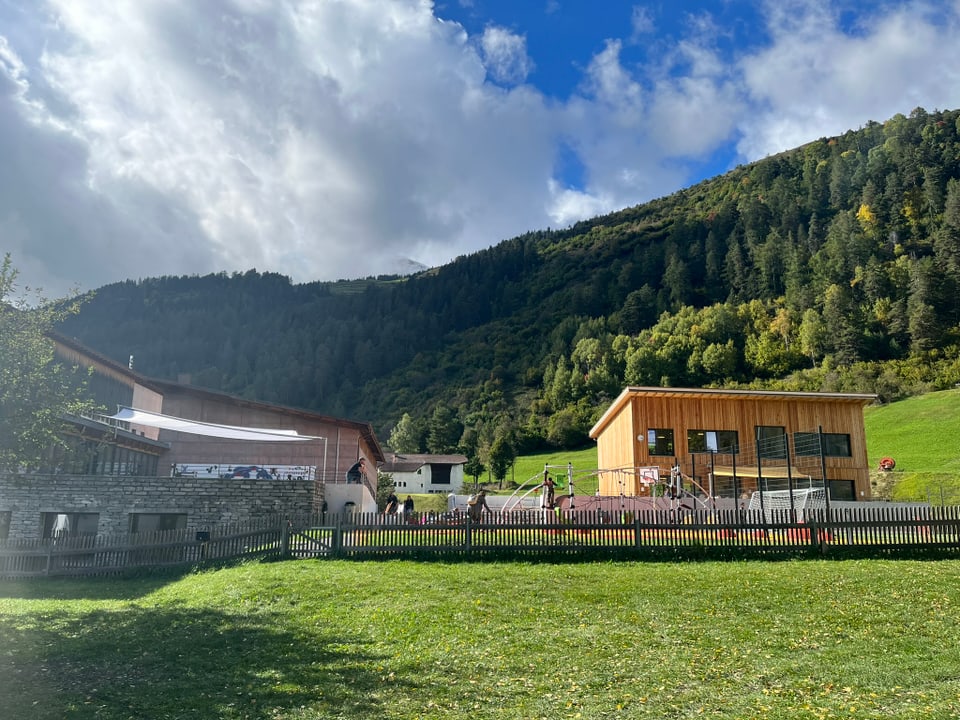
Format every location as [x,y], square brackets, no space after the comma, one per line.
[79,523]
[164,521]
[440,474]
[661,442]
[807,444]
[771,445]
[722,446]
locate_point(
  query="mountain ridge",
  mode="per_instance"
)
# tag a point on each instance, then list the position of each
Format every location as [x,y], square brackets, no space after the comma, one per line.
[833,265]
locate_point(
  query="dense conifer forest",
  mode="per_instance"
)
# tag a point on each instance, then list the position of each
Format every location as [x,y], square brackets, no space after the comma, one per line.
[834,266]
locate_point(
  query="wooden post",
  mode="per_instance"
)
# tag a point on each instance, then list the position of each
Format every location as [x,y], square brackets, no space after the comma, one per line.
[823,470]
[337,539]
[786,452]
[285,540]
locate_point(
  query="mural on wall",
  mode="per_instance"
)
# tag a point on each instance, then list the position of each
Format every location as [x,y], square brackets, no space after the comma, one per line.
[244,471]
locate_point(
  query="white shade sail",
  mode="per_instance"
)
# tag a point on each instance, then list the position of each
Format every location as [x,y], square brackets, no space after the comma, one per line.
[230,432]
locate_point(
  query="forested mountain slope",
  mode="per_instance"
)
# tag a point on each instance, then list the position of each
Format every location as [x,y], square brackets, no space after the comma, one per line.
[833,266]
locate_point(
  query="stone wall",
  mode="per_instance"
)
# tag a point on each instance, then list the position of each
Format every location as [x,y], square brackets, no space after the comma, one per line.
[205,501]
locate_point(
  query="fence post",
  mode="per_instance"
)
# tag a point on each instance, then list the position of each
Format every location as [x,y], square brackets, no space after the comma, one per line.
[468,535]
[285,540]
[814,529]
[636,530]
[337,540]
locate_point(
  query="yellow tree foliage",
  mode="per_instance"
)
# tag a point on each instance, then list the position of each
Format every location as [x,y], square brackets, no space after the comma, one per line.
[867,218]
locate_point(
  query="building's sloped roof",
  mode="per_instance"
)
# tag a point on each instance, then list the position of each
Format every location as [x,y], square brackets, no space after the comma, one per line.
[164,387]
[720,394]
[401,466]
[412,462]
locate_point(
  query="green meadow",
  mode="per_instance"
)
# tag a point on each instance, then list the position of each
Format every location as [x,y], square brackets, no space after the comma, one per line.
[922,434]
[338,639]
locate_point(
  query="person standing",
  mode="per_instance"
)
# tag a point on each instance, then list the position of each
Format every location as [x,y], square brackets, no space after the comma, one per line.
[357,471]
[549,491]
[393,503]
[476,505]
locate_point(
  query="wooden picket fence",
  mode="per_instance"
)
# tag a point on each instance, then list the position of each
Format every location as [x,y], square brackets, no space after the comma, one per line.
[534,535]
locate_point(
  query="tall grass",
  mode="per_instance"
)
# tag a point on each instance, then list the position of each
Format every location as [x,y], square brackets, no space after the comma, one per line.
[309,640]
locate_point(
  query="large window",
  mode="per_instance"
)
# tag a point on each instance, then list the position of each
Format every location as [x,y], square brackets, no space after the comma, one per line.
[82,456]
[834,444]
[157,522]
[57,524]
[717,441]
[771,442]
[660,441]
[440,474]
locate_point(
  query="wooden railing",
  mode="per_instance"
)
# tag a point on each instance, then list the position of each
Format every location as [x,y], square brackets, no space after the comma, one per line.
[868,531]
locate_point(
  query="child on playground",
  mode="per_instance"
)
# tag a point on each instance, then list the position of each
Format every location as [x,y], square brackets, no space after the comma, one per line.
[549,488]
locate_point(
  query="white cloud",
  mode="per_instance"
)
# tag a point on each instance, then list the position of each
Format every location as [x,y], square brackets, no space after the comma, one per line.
[505,55]
[330,139]
[641,21]
[322,141]
[815,80]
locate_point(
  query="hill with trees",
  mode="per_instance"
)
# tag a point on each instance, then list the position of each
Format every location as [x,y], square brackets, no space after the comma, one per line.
[834,266]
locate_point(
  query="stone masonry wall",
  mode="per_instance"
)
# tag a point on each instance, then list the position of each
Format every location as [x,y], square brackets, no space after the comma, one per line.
[206,501]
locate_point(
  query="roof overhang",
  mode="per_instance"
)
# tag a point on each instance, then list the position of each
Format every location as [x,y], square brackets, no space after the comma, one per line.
[720,394]
[195,427]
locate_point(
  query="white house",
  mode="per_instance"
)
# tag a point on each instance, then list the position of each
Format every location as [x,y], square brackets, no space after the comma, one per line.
[425,473]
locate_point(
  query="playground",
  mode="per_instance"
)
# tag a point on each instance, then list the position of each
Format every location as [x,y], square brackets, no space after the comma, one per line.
[643,490]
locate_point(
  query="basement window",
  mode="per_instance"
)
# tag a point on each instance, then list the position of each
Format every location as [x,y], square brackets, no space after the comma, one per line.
[157,522]
[69,524]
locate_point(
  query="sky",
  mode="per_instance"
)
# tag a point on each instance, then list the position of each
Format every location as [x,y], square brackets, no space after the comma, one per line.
[337,139]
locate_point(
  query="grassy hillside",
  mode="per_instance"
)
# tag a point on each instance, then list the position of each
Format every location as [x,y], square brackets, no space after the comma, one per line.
[923,435]
[530,467]
[308,640]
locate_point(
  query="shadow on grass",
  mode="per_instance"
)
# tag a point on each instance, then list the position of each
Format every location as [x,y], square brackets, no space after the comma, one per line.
[184,663]
[128,585]
[99,588]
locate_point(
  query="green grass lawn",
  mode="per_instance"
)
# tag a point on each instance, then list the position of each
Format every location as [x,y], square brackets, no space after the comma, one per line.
[338,639]
[923,435]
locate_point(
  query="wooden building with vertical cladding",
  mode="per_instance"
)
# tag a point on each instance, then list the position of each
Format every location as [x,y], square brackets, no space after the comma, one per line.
[728,443]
